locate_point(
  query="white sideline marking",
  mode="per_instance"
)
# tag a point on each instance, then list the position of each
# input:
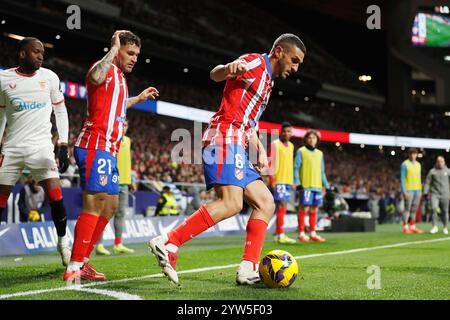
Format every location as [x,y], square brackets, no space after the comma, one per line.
[115,294]
[122,295]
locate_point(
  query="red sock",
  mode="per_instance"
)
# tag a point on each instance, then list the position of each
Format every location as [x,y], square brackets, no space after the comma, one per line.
[3,201]
[281,212]
[412,222]
[301,220]
[101,224]
[118,241]
[198,222]
[84,229]
[405,223]
[256,232]
[312,220]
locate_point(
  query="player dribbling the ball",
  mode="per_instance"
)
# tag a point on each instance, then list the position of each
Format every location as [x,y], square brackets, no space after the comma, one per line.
[227,169]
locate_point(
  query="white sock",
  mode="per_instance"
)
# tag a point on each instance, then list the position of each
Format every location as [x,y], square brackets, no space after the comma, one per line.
[62,241]
[245,264]
[171,248]
[313,234]
[74,266]
[302,234]
[85,260]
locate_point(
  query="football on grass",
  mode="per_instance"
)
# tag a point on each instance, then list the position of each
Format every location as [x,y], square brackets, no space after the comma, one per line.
[278,269]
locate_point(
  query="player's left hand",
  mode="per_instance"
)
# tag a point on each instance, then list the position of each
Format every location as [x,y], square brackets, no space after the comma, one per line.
[149,93]
[63,158]
[263,163]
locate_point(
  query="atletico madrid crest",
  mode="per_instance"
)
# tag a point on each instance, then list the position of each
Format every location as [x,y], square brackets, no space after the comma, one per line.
[103,180]
[239,174]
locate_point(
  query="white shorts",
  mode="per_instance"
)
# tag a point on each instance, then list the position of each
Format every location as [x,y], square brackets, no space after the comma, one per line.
[41,164]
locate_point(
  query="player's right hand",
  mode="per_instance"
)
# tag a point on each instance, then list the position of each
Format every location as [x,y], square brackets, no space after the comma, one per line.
[236,68]
[115,40]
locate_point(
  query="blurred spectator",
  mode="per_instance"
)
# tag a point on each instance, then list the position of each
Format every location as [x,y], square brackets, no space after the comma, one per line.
[32,201]
[167,205]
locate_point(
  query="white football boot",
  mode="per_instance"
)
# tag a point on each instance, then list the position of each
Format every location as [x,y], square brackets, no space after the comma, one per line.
[434,230]
[64,250]
[445,231]
[246,273]
[166,259]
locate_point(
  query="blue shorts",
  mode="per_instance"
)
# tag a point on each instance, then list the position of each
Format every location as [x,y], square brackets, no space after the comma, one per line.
[227,165]
[282,192]
[311,198]
[98,171]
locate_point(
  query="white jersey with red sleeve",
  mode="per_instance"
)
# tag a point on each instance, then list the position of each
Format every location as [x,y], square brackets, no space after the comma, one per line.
[26,105]
[106,113]
[244,100]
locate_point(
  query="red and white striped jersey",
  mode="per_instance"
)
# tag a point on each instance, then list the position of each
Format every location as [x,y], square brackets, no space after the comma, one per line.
[244,100]
[106,112]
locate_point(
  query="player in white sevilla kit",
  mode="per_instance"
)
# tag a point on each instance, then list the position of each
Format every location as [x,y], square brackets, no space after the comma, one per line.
[28,96]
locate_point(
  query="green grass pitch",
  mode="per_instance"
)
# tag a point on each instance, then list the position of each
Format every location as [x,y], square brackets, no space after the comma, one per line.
[438,34]
[415,271]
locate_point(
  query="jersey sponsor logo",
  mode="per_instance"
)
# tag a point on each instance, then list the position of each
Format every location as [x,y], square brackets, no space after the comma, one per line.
[21,105]
[103,180]
[42,84]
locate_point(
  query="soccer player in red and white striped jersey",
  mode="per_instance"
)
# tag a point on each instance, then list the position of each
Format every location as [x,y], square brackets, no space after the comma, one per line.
[97,147]
[226,165]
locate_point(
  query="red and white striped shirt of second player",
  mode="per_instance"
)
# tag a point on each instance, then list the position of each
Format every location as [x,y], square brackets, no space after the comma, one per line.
[106,113]
[244,100]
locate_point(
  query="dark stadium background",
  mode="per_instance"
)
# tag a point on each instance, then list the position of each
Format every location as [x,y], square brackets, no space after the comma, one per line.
[194,36]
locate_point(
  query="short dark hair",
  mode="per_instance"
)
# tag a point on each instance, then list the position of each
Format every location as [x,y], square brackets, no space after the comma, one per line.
[289,39]
[310,132]
[129,37]
[166,188]
[24,42]
[412,150]
[285,125]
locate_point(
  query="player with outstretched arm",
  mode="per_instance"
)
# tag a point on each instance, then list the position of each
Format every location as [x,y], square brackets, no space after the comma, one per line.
[226,165]
[97,147]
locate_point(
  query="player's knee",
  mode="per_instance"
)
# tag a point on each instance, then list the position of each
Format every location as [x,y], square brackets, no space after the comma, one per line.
[266,204]
[233,206]
[55,195]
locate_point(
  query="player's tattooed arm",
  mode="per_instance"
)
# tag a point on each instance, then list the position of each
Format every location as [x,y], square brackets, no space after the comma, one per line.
[150,93]
[228,71]
[98,73]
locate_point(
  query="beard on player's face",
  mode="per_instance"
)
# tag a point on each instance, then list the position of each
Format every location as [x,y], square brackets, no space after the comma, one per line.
[283,68]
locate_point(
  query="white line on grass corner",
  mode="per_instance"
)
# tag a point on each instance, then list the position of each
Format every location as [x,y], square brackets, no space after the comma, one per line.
[126,296]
